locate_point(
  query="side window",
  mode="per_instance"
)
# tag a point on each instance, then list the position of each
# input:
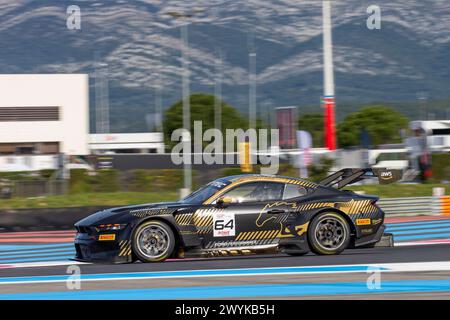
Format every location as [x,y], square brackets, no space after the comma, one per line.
[293,191]
[256,191]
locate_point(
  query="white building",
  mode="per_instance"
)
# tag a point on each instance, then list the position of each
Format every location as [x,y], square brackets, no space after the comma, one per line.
[152,142]
[431,134]
[42,115]
[395,158]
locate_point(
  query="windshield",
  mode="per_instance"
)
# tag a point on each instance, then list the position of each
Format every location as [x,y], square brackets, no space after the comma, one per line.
[204,193]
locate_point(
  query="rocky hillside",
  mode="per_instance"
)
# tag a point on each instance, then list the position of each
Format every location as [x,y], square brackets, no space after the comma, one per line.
[140,43]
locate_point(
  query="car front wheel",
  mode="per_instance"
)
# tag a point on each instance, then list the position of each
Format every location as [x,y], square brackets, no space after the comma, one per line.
[153,241]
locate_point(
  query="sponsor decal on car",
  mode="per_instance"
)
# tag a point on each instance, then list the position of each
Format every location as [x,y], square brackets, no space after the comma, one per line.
[376,221]
[107,237]
[363,222]
[224,244]
[224,224]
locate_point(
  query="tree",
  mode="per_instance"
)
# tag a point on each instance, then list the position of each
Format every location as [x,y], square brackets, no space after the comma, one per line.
[313,123]
[319,170]
[382,125]
[202,109]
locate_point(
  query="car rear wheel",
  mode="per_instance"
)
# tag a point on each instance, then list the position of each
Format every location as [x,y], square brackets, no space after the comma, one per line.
[153,241]
[328,233]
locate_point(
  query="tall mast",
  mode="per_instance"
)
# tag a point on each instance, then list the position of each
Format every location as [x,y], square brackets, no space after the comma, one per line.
[328,77]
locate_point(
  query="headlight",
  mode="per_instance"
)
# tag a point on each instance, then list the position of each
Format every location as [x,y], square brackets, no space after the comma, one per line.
[110,227]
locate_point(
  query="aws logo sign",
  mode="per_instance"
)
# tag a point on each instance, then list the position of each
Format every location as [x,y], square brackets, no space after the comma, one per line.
[386,175]
[389,176]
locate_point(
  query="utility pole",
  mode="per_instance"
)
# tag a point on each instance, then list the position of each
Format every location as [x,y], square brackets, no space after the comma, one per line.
[328,75]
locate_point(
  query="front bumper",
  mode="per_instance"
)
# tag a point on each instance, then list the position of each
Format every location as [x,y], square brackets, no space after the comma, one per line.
[90,247]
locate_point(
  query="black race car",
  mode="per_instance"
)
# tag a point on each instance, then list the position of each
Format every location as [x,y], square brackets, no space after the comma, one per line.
[237,215]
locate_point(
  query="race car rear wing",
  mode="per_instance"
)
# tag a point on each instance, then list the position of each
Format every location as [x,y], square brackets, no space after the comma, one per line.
[348,176]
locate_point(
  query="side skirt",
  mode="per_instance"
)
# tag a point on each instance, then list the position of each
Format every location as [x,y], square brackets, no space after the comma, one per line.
[233,251]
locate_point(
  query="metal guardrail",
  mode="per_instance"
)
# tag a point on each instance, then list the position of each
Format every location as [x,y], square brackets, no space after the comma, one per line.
[411,206]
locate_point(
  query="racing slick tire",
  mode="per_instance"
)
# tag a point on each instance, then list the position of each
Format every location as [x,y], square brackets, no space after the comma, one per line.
[329,234]
[153,241]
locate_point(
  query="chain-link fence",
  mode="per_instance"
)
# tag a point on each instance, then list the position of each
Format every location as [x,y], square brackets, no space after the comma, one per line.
[39,188]
[6,189]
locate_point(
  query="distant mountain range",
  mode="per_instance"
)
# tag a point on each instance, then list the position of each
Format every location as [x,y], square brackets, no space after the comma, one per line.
[140,43]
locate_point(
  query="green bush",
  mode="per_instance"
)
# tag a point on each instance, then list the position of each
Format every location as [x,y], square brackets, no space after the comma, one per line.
[285,169]
[106,181]
[28,176]
[139,180]
[47,173]
[288,170]
[154,180]
[231,171]
[440,167]
[80,182]
[319,171]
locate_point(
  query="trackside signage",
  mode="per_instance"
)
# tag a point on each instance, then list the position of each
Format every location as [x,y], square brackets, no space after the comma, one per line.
[223,146]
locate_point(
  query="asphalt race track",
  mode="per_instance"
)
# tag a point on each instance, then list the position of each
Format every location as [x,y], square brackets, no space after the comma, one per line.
[37,266]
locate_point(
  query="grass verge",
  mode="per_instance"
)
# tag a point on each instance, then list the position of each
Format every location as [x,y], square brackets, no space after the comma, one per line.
[400,190]
[88,199]
[129,198]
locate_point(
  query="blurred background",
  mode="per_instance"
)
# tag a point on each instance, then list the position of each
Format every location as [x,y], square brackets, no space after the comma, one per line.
[92,90]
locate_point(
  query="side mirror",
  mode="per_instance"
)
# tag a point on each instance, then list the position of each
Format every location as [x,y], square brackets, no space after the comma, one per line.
[222,201]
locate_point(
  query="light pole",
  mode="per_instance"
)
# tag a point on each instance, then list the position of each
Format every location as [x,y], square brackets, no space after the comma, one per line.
[218,80]
[186,99]
[252,81]
[186,110]
[101,96]
[158,104]
[218,93]
[422,97]
[265,112]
